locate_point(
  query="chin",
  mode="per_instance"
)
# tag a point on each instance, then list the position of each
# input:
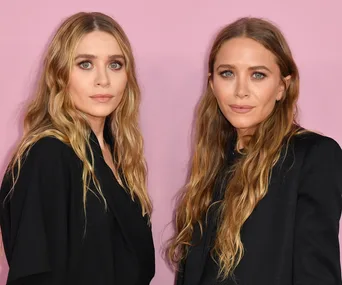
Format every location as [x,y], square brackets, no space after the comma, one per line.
[104,111]
[98,114]
[242,124]
[102,115]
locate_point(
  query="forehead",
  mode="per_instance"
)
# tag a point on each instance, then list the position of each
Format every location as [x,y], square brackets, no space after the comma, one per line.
[245,51]
[98,43]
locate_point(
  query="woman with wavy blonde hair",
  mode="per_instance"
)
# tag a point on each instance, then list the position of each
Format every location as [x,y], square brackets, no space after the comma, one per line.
[263,201]
[74,204]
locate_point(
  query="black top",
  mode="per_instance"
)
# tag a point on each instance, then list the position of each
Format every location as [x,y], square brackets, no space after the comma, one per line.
[291,238]
[43,224]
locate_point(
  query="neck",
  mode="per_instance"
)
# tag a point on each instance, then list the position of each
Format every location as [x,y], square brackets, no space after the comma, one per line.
[243,136]
[97,126]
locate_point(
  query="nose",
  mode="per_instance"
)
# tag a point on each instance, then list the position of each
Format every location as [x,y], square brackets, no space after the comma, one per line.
[242,89]
[102,78]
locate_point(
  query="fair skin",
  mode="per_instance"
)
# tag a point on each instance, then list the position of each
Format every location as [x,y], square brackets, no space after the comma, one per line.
[247,83]
[97,82]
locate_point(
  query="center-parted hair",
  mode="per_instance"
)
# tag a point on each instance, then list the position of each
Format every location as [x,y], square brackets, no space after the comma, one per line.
[250,175]
[52,112]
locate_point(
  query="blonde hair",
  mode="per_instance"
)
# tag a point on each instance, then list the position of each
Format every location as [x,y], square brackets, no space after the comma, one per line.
[52,113]
[250,175]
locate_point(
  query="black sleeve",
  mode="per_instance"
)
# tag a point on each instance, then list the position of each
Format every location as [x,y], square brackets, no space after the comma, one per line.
[316,244]
[34,216]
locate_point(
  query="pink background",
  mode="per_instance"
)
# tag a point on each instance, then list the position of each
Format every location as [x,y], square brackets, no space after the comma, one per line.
[171,41]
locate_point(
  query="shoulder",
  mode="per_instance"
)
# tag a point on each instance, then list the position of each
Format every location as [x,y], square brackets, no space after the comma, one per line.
[47,153]
[46,162]
[313,143]
[317,149]
[48,145]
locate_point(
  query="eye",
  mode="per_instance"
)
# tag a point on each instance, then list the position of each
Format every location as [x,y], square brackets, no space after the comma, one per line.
[116,65]
[85,65]
[258,75]
[227,73]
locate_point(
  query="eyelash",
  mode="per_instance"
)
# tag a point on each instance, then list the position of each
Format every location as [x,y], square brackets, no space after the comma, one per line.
[225,71]
[263,75]
[88,61]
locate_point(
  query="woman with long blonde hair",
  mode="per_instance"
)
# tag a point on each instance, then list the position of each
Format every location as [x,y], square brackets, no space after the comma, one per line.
[74,205]
[263,201]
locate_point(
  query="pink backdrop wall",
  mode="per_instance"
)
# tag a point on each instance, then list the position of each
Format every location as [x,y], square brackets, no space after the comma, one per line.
[171,41]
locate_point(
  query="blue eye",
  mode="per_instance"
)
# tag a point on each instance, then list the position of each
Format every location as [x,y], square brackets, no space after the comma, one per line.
[85,65]
[226,73]
[258,75]
[115,65]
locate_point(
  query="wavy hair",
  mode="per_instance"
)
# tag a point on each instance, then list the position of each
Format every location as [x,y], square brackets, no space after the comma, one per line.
[52,113]
[250,175]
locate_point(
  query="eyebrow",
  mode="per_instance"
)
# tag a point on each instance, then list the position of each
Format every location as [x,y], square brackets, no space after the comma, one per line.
[257,67]
[91,56]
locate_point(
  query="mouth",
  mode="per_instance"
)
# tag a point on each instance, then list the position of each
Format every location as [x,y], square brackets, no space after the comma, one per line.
[241,109]
[102,98]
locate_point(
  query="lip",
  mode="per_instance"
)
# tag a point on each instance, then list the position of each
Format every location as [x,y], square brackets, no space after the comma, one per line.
[102,98]
[241,109]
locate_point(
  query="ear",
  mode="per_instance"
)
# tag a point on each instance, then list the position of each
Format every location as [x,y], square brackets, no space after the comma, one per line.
[210,79]
[284,85]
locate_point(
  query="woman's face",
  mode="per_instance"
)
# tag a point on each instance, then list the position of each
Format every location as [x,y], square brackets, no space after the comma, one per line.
[246,82]
[98,77]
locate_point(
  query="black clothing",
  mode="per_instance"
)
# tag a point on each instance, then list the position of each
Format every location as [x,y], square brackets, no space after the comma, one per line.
[291,238]
[48,240]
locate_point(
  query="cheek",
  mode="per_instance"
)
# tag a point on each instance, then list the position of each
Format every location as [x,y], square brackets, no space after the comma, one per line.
[77,96]
[78,86]
[267,97]
[223,91]
[120,87]
[262,96]
[266,101]
[266,109]
[119,82]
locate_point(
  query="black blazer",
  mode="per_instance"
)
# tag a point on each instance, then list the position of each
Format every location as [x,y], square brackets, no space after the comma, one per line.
[291,238]
[46,237]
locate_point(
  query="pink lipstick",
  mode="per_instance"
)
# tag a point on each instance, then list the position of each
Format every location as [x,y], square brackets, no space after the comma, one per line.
[102,98]
[241,109]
